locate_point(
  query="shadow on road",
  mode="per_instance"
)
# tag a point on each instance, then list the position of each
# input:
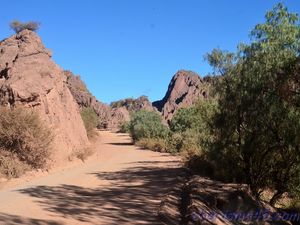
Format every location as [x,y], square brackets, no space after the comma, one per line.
[133,196]
[7,219]
[121,143]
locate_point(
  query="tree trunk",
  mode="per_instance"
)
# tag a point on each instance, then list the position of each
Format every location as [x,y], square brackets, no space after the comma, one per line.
[276,197]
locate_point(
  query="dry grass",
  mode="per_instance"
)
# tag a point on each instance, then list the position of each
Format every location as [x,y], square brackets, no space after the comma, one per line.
[83,153]
[11,166]
[24,135]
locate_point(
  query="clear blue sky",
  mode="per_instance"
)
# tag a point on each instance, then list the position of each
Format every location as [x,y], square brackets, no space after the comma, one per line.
[128,48]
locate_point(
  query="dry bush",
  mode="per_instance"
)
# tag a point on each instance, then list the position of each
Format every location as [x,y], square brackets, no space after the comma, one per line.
[154,144]
[83,153]
[18,26]
[11,166]
[25,135]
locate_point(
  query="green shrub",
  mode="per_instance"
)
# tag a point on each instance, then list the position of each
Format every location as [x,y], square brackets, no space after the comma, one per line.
[191,128]
[146,124]
[158,145]
[18,26]
[184,119]
[24,134]
[124,127]
[90,120]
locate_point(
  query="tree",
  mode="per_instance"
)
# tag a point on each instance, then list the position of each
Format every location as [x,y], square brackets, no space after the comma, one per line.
[258,124]
[18,26]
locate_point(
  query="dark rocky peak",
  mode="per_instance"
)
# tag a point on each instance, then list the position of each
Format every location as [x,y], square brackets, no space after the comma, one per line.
[185,88]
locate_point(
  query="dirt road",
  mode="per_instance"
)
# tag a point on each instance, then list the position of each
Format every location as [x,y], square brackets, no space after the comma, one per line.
[120,184]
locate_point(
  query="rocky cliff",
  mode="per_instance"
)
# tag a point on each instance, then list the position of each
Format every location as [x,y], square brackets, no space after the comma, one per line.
[185,88]
[110,116]
[131,104]
[84,98]
[29,78]
[121,109]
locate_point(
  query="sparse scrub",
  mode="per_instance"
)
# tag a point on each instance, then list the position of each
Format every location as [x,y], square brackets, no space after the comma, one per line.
[83,153]
[11,166]
[18,26]
[90,120]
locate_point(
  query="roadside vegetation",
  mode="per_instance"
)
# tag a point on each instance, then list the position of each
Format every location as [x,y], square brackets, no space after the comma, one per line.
[146,124]
[90,120]
[25,142]
[249,129]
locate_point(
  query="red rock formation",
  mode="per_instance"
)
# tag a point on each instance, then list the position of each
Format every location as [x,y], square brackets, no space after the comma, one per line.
[184,90]
[29,78]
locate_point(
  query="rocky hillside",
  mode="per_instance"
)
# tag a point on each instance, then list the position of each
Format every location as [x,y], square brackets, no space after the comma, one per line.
[121,109]
[84,98]
[131,104]
[185,88]
[110,116]
[29,78]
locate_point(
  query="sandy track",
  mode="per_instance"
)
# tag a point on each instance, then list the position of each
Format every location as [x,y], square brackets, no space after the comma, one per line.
[119,185]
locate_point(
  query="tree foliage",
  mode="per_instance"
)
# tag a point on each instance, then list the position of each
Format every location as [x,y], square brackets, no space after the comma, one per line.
[191,128]
[258,125]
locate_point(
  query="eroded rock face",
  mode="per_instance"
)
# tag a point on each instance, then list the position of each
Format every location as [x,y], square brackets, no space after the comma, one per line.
[184,90]
[118,116]
[85,99]
[29,77]
[122,109]
[110,116]
[131,104]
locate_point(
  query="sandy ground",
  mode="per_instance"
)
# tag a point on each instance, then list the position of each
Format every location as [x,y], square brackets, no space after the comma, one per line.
[120,184]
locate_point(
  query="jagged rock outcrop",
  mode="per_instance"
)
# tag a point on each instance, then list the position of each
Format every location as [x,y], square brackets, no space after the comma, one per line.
[131,104]
[110,116]
[85,99]
[121,109]
[185,88]
[29,78]
[118,116]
